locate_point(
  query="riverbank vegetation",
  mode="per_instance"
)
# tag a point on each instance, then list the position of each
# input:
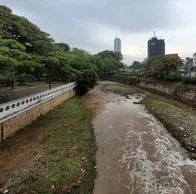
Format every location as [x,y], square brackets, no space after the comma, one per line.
[29,54]
[121,89]
[55,154]
[169,68]
[179,119]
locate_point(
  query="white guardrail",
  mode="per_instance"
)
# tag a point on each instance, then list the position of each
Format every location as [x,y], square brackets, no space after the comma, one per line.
[9,108]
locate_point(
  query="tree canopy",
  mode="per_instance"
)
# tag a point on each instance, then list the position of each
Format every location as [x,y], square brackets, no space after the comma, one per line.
[23,31]
[65,47]
[163,65]
[28,52]
[111,54]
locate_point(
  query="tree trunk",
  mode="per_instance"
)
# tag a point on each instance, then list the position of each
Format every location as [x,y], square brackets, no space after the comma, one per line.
[12,83]
[49,82]
[50,85]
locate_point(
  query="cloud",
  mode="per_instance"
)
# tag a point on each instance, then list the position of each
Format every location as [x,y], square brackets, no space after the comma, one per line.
[133,16]
[93,24]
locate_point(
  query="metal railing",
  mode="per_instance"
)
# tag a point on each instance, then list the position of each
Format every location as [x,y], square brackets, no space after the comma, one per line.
[9,108]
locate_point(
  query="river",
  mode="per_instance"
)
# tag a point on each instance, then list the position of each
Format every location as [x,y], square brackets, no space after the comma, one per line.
[136,154]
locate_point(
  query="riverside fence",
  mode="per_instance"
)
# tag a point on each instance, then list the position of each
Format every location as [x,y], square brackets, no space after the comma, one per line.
[18,113]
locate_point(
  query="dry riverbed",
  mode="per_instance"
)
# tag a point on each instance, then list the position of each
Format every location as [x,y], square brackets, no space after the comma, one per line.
[178,118]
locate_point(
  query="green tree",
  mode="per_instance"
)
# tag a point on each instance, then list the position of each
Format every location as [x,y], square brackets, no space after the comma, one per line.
[86,80]
[7,73]
[51,64]
[64,68]
[27,51]
[23,31]
[162,65]
[65,47]
[109,61]
[15,58]
[107,54]
[137,65]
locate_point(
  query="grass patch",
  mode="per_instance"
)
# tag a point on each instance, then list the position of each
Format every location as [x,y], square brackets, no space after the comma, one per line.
[68,164]
[121,89]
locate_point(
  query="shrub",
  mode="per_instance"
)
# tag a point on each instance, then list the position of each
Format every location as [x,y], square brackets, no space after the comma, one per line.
[186,80]
[86,80]
[189,80]
[126,79]
[173,76]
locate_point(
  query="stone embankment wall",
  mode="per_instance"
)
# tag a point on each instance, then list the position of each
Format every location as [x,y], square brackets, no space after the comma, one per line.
[185,93]
[178,90]
[13,123]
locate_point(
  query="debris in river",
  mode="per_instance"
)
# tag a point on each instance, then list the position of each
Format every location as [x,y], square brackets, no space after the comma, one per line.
[137,102]
[83,158]
[181,128]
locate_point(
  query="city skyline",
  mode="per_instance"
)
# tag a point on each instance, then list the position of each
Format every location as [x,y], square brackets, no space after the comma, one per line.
[92,25]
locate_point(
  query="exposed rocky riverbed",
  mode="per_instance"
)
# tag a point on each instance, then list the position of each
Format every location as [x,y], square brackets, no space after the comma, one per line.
[179,120]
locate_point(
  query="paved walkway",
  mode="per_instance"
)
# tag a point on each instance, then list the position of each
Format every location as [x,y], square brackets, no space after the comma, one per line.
[6,94]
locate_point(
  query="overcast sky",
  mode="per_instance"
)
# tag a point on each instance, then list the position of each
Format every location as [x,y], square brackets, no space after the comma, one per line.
[93,24]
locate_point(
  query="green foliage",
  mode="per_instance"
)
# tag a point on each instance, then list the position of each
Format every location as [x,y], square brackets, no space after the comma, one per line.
[162,65]
[5,77]
[125,79]
[14,61]
[189,80]
[12,44]
[121,89]
[20,29]
[87,79]
[109,62]
[173,76]
[136,65]
[111,54]
[65,47]
[27,51]
[68,138]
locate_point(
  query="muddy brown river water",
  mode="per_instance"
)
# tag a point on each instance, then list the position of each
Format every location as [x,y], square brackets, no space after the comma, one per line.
[136,154]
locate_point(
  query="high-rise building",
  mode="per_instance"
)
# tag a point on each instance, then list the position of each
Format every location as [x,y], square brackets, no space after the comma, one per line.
[156,47]
[117,45]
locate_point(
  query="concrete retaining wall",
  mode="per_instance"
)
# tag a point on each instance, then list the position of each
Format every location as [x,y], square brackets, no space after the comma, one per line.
[182,92]
[17,121]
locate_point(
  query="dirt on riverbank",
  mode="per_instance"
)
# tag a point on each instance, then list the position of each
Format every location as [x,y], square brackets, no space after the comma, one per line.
[178,118]
[55,154]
